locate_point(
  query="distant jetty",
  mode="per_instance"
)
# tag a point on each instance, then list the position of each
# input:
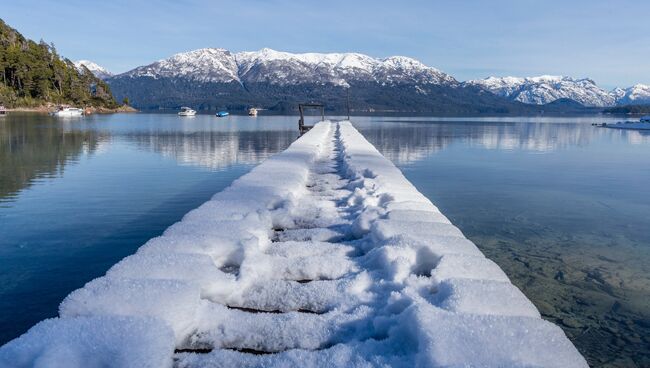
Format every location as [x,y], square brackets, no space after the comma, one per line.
[323,255]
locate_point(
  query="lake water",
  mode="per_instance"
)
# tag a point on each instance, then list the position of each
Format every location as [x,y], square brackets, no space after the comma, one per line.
[561,206]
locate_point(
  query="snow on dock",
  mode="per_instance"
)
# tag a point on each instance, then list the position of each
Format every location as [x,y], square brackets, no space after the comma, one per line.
[323,255]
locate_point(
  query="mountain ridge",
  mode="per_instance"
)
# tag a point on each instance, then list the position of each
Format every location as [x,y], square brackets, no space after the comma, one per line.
[255,75]
[547,88]
[221,65]
[214,78]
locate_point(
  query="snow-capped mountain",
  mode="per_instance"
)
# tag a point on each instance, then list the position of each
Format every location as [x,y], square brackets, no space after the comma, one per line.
[637,94]
[203,65]
[214,78]
[545,89]
[97,70]
[283,68]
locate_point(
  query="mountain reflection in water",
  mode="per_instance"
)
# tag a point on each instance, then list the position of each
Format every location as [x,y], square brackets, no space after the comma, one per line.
[214,150]
[35,147]
[405,142]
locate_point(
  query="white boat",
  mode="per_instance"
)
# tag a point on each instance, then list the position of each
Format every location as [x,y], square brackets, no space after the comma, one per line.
[68,112]
[3,111]
[252,111]
[186,111]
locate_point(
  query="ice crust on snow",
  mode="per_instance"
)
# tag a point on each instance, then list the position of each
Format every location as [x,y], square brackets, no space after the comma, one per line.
[98,341]
[323,255]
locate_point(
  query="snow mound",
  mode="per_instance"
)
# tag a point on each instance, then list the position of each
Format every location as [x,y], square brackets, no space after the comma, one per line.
[171,301]
[470,340]
[91,342]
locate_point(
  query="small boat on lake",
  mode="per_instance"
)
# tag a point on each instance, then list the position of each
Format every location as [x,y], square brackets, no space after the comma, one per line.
[186,111]
[252,111]
[3,111]
[642,124]
[66,111]
[222,114]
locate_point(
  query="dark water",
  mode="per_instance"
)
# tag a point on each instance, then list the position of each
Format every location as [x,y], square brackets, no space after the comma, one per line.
[562,206]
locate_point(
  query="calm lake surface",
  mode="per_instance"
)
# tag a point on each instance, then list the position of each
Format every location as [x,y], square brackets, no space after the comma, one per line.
[561,206]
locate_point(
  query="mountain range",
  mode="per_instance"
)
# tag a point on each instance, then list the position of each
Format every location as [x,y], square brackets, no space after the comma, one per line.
[547,88]
[210,79]
[213,78]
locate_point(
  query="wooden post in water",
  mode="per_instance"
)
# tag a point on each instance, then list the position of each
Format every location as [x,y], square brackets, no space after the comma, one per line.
[348,102]
[302,107]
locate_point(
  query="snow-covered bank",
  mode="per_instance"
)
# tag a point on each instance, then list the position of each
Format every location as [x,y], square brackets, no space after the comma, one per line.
[324,255]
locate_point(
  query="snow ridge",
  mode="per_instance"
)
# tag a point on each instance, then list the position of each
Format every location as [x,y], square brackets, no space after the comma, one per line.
[99,71]
[323,255]
[283,68]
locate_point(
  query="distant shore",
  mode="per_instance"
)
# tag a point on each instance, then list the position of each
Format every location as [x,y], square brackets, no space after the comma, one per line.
[88,110]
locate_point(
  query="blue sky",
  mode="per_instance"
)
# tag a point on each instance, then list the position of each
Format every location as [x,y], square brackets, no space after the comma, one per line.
[608,41]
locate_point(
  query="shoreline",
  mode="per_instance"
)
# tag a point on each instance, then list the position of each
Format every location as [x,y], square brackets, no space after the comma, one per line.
[89,110]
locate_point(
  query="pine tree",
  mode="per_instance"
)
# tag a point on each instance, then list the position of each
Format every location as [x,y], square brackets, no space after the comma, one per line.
[33,73]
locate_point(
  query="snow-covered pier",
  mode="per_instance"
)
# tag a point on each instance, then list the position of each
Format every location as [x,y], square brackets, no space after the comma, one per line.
[323,255]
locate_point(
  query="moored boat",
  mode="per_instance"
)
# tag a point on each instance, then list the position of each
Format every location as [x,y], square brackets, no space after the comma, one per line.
[222,114]
[186,111]
[252,111]
[3,111]
[66,111]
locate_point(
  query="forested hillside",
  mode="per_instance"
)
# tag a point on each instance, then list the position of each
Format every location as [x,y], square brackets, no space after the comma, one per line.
[33,74]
